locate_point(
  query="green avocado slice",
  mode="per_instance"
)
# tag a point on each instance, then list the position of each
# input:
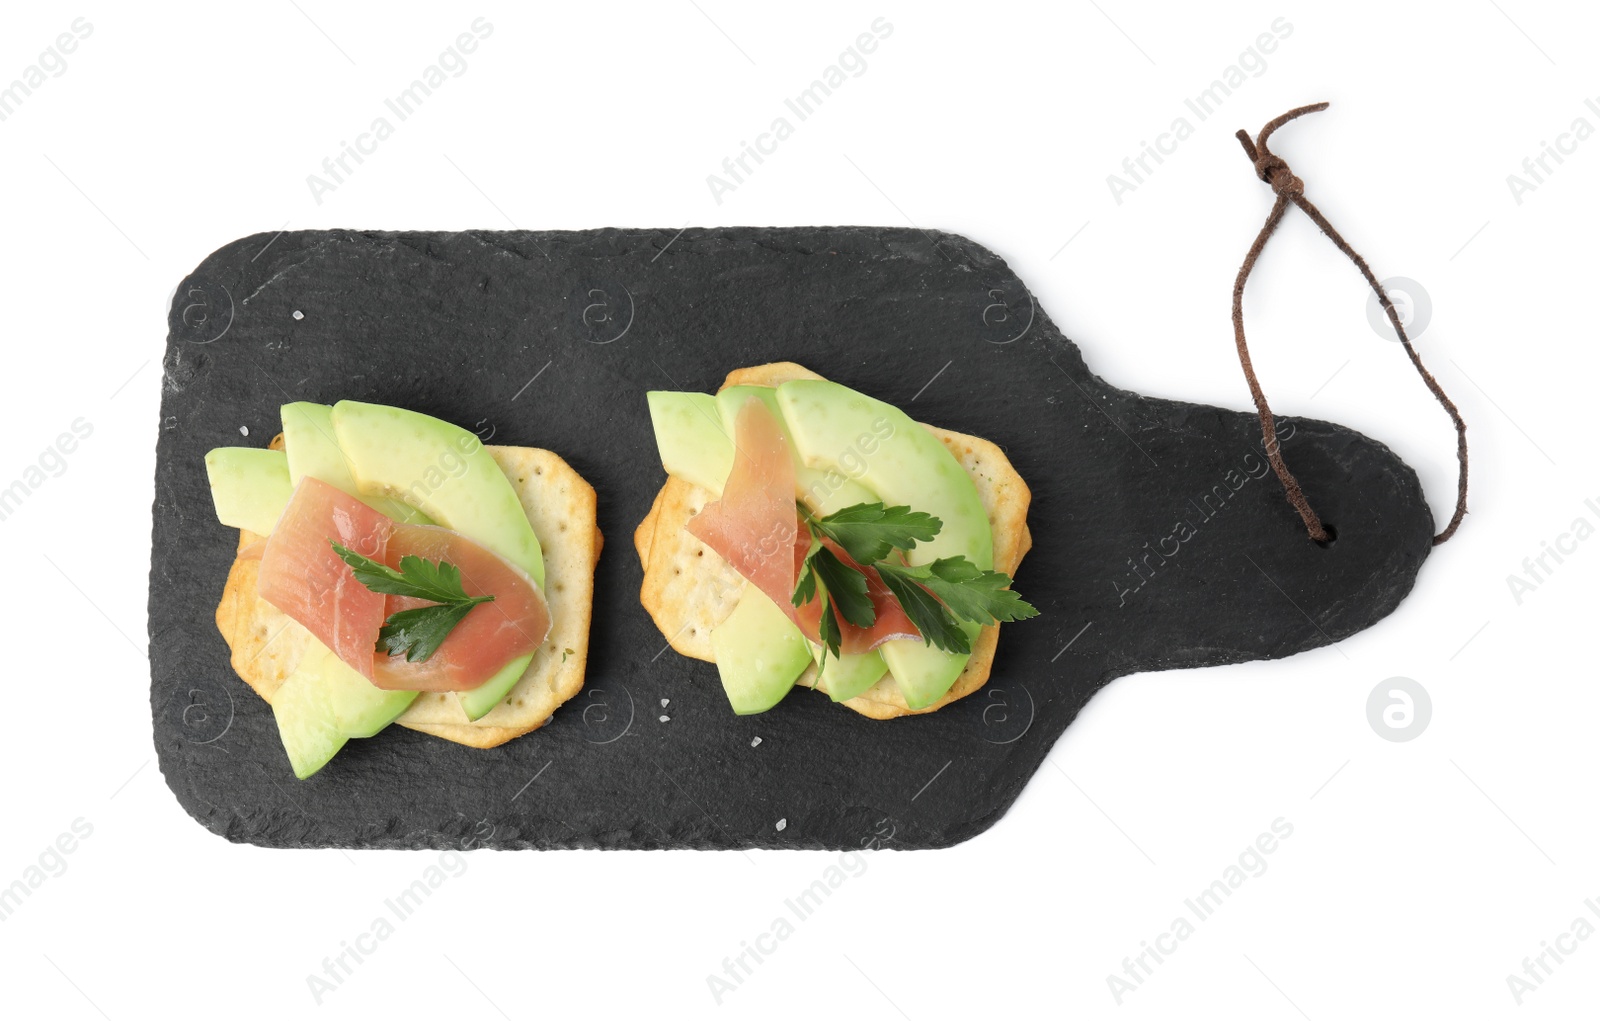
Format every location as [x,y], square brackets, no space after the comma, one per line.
[760,653]
[849,675]
[308,440]
[324,703]
[690,437]
[249,486]
[441,469]
[487,695]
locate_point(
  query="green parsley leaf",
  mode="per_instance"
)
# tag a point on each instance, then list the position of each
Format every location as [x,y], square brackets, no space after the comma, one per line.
[439,581]
[935,623]
[828,628]
[982,597]
[416,633]
[842,589]
[805,586]
[869,532]
[938,597]
[846,587]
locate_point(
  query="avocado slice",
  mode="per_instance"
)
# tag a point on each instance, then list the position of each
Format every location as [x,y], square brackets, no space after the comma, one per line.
[487,695]
[308,440]
[884,449]
[444,471]
[690,437]
[925,672]
[760,653]
[849,675]
[249,486]
[694,438]
[324,703]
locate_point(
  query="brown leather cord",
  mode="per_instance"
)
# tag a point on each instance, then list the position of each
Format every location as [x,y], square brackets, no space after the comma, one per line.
[1290,189]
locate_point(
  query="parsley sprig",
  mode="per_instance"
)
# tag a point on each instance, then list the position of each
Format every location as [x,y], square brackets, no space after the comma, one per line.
[869,532]
[416,633]
[937,597]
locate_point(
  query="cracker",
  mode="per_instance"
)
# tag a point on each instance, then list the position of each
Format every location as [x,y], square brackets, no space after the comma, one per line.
[267,645]
[688,590]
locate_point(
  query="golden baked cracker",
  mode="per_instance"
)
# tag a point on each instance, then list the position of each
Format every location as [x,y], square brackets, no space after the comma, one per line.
[688,589]
[646,531]
[267,645]
[770,374]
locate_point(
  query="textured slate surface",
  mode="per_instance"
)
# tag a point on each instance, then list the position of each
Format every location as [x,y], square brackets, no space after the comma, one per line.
[551,339]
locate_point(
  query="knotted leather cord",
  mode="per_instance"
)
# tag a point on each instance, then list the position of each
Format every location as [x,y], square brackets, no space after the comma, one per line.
[1272,169]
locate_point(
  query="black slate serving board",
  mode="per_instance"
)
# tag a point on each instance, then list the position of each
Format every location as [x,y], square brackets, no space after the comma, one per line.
[551,339]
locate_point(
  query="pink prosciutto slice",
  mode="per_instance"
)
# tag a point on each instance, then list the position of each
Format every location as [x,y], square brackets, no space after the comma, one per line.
[302,575]
[756,528]
[490,636]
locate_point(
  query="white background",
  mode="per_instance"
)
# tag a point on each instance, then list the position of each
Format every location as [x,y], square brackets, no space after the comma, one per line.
[1419,873]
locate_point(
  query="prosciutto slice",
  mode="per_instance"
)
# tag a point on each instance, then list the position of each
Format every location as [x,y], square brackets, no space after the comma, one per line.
[490,636]
[302,576]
